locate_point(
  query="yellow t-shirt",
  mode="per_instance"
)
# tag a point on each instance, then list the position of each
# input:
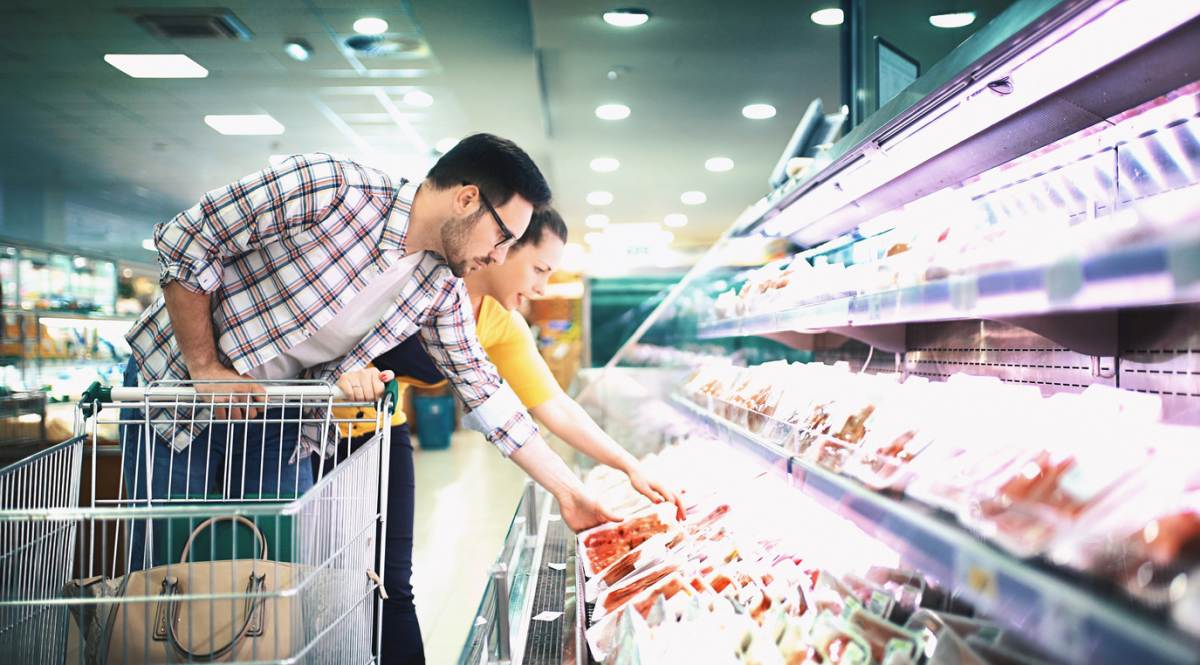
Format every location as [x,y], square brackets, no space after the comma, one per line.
[509,344]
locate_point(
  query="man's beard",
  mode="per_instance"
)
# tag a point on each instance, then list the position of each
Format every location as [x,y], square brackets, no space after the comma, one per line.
[454,243]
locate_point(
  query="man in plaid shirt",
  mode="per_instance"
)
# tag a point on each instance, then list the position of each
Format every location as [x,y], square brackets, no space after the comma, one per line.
[309,270]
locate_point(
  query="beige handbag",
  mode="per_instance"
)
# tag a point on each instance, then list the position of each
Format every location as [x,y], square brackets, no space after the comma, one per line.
[176,629]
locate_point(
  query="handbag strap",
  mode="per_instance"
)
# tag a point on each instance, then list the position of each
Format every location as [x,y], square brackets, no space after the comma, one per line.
[253,604]
[262,540]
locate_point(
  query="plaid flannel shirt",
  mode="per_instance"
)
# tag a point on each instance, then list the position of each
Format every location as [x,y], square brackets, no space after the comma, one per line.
[280,252]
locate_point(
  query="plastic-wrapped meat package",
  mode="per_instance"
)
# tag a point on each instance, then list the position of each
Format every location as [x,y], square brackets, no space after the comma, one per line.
[711,380]
[838,642]
[757,394]
[974,443]
[1145,536]
[885,639]
[832,396]
[663,583]
[1081,455]
[603,545]
[647,554]
[851,419]
[899,432]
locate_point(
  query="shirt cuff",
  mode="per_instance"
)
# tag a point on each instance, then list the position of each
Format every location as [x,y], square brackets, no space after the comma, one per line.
[203,279]
[502,419]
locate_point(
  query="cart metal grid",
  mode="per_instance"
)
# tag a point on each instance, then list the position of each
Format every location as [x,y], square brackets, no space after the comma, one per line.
[231,569]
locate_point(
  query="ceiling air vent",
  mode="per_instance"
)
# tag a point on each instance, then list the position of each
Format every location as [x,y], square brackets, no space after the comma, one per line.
[214,23]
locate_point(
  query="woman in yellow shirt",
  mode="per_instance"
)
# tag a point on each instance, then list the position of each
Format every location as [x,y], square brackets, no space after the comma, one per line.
[495,292]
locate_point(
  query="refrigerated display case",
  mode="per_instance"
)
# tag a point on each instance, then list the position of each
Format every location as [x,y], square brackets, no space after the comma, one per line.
[63,318]
[987,448]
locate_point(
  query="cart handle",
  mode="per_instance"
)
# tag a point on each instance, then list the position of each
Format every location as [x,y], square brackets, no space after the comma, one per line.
[99,394]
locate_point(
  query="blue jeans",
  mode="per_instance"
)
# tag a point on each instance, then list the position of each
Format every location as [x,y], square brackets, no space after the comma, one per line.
[224,461]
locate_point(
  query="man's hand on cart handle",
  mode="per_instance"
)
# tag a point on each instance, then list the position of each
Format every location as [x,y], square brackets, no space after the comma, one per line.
[238,392]
[582,512]
[364,385]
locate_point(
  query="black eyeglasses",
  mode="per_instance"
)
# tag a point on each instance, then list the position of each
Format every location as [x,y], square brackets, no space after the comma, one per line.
[507,237]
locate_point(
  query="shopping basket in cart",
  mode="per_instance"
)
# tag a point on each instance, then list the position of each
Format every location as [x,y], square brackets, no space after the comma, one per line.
[216,565]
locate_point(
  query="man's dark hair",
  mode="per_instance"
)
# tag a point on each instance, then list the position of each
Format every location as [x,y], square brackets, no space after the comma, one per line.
[498,167]
[546,220]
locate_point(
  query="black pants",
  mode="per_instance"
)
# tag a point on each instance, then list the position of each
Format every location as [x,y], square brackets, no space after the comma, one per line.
[402,643]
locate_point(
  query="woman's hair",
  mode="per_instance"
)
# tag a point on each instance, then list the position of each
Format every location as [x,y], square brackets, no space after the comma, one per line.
[543,221]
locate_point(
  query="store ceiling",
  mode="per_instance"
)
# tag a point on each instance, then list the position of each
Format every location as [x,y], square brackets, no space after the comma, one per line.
[531,70]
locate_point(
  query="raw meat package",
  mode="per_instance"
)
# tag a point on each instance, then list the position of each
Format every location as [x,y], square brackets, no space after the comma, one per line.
[850,419]
[1080,455]
[639,558]
[601,546]
[975,443]
[1145,536]
[898,434]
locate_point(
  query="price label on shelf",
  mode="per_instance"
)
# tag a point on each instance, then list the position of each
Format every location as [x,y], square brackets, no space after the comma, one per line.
[977,579]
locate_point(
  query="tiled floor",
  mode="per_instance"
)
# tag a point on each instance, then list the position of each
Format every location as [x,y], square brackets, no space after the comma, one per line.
[465,499]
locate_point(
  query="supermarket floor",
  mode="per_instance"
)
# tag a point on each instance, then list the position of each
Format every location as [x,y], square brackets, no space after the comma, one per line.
[465,498]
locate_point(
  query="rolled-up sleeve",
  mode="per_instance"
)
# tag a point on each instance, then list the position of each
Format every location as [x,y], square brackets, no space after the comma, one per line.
[251,212]
[493,407]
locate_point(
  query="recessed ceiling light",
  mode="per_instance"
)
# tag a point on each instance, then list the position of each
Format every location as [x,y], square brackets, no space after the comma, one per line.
[605,164]
[612,111]
[626,17]
[675,220]
[244,125]
[831,16]
[599,198]
[445,145]
[79,262]
[596,221]
[693,198]
[126,273]
[171,66]
[718,164]
[370,25]
[148,245]
[952,20]
[418,98]
[758,111]
[297,49]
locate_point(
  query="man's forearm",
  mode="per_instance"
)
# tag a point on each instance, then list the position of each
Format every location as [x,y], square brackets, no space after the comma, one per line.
[572,424]
[191,319]
[548,470]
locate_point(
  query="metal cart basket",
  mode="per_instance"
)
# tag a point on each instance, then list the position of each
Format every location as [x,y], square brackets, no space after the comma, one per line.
[216,551]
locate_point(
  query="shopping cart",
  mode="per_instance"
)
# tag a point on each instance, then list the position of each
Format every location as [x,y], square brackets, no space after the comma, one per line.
[217,563]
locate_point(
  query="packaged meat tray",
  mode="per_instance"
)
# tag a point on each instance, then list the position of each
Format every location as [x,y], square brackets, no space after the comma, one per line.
[1077,460]
[602,546]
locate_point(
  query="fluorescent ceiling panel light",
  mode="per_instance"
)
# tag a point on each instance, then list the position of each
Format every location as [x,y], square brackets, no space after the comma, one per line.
[758,111]
[596,221]
[612,111]
[718,164]
[675,220]
[258,124]
[169,66]
[605,164]
[952,20]
[599,198]
[369,25]
[693,198]
[418,98]
[627,17]
[831,16]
